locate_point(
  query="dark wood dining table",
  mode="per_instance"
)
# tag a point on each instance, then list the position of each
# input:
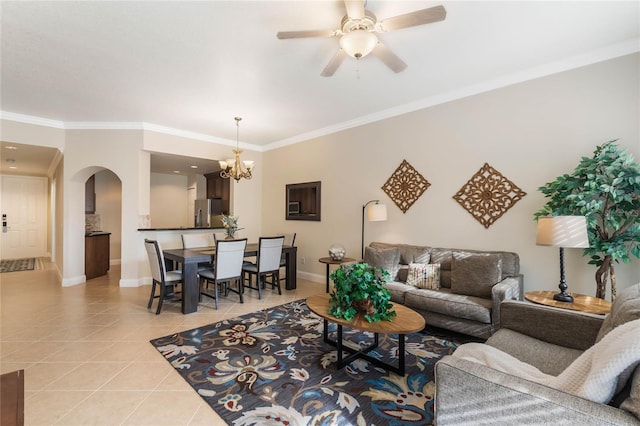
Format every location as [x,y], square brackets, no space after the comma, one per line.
[189,259]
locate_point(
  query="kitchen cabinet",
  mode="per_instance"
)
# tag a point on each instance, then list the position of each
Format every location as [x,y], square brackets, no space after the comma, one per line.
[96,254]
[220,188]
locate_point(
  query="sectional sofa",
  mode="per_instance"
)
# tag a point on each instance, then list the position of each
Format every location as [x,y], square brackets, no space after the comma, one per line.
[466,293]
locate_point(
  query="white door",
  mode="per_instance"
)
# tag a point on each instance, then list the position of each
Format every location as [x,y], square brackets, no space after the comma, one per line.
[24,202]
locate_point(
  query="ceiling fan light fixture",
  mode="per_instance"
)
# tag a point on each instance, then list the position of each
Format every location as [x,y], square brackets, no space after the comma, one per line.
[358,43]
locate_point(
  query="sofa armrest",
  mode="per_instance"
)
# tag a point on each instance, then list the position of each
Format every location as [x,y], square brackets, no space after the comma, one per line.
[572,329]
[469,393]
[507,289]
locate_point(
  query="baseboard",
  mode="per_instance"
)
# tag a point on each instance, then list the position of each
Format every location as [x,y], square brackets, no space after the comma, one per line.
[115,262]
[70,282]
[312,277]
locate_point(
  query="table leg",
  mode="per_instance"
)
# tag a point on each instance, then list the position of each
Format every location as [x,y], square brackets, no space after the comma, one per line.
[328,270]
[292,268]
[190,290]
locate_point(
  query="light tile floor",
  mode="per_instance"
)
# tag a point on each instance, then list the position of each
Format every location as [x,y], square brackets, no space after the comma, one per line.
[86,353]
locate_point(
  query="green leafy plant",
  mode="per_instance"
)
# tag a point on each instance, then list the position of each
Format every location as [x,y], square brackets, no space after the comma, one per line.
[360,287]
[606,190]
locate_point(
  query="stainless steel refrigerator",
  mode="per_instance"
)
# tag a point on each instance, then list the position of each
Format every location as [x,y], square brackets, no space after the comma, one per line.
[207,213]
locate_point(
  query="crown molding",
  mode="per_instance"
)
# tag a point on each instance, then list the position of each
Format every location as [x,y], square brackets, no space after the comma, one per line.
[610,52]
[606,53]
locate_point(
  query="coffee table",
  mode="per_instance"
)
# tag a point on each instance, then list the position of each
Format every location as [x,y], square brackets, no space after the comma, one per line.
[406,321]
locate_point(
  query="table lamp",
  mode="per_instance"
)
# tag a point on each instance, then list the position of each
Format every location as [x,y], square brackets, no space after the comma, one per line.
[563,232]
[375,212]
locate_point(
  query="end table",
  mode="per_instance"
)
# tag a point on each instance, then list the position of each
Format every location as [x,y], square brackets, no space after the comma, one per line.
[581,302]
[329,261]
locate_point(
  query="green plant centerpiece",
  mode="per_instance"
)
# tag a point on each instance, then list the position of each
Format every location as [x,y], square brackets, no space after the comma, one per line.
[360,288]
[606,190]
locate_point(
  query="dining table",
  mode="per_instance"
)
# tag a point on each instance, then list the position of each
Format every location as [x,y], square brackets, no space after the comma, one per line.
[188,259]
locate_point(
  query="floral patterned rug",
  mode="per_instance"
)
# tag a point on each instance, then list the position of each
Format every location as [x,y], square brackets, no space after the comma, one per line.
[273,367]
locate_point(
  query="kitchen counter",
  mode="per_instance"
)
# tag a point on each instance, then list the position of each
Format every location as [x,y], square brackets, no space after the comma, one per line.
[182,228]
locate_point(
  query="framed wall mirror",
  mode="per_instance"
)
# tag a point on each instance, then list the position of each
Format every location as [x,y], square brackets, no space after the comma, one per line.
[303,201]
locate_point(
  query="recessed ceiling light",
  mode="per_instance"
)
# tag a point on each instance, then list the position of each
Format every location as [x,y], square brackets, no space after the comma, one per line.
[12,167]
[11,147]
[194,167]
[176,171]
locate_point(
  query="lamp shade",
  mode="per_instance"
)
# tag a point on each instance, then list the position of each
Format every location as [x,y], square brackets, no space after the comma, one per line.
[358,43]
[376,212]
[562,231]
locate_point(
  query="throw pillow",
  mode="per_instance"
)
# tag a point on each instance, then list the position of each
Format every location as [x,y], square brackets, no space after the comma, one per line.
[387,259]
[424,275]
[475,274]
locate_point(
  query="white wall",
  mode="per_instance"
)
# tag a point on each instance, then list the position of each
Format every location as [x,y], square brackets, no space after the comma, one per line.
[108,189]
[530,132]
[169,201]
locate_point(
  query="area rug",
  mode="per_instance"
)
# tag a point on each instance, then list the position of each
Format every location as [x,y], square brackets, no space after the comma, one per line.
[273,367]
[14,265]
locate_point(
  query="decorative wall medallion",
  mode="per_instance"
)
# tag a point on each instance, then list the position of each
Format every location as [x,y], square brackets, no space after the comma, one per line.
[488,195]
[405,186]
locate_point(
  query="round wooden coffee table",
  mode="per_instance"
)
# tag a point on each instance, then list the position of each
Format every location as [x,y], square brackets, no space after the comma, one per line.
[406,321]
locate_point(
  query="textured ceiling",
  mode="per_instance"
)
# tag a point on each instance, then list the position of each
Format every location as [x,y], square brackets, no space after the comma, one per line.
[193,66]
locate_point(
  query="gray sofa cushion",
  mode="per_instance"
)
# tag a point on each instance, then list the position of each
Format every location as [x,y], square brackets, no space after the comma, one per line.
[398,291]
[408,253]
[626,308]
[387,259]
[445,302]
[474,274]
[546,357]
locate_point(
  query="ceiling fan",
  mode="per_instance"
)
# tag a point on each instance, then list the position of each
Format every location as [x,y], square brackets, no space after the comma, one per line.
[358,30]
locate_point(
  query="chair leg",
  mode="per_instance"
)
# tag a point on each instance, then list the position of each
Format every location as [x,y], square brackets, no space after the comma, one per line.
[215,285]
[161,298]
[241,287]
[153,292]
[276,278]
[260,282]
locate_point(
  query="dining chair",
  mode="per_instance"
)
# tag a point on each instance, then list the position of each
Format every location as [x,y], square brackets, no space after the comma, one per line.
[160,276]
[267,264]
[226,270]
[217,236]
[203,239]
[289,240]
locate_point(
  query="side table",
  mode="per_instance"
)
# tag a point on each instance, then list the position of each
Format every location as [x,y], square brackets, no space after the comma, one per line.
[581,302]
[329,261]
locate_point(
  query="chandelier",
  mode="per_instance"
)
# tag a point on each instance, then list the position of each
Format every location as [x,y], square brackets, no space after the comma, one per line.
[232,168]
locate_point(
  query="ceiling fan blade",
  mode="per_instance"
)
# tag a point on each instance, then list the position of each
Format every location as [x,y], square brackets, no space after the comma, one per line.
[302,34]
[334,63]
[390,59]
[420,17]
[355,8]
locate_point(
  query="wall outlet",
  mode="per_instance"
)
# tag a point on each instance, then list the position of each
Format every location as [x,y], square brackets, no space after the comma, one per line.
[303,260]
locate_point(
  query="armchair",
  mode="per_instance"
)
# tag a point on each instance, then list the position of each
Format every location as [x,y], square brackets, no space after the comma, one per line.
[550,339]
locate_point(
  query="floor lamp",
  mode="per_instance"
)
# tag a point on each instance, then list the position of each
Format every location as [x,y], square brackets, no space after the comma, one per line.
[563,232]
[375,212]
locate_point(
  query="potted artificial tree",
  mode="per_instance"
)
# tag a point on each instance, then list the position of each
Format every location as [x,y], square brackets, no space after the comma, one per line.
[606,190]
[360,288]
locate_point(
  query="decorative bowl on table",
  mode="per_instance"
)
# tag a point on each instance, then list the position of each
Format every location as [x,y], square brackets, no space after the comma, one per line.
[337,252]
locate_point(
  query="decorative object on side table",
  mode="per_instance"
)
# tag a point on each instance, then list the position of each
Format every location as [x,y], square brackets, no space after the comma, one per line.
[337,252]
[375,213]
[230,224]
[563,232]
[360,288]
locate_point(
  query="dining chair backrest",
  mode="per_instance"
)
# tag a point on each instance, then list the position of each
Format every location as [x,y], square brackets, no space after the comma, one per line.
[156,260]
[289,239]
[217,236]
[269,253]
[229,258]
[203,239]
